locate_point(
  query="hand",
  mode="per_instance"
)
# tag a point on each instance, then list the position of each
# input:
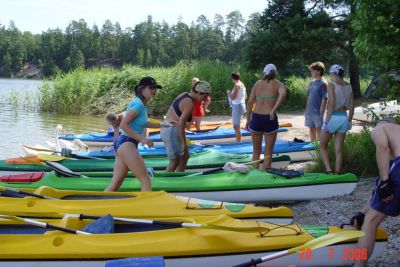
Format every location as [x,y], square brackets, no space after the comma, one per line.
[272,115]
[228,91]
[247,125]
[148,142]
[185,152]
[386,191]
[357,220]
[349,126]
[325,126]
[207,110]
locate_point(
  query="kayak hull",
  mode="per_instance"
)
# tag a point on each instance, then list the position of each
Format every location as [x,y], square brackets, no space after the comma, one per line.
[156,205]
[257,185]
[180,246]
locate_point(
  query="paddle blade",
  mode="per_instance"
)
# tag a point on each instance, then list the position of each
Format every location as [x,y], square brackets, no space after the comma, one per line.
[327,240]
[49,157]
[12,218]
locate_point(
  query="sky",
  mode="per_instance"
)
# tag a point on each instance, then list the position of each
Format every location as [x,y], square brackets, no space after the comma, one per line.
[40,15]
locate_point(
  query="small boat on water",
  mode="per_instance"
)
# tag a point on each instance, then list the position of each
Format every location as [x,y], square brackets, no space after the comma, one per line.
[156,205]
[255,186]
[220,135]
[188,241]
[296,150]
[200,160]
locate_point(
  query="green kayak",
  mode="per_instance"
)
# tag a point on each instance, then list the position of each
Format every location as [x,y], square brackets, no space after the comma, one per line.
[256,185]
[198,160]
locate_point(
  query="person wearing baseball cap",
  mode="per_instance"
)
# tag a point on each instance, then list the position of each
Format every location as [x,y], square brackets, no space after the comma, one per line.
[267,95]
[179,114]
[133,123]
[337,121]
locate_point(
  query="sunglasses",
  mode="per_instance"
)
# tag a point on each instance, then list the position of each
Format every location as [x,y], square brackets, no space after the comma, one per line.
[200,93]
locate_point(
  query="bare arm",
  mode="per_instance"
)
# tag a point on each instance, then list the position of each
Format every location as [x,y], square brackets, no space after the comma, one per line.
[331,101]
[323,107]
[281,98]
[234,93]
[379,137]
[207,102]
[186,107]
[250,102]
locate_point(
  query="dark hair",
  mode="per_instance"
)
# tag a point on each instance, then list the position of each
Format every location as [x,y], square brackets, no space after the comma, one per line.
[235,75]
[319,66]
[270,76]
[340,73]
[138,92]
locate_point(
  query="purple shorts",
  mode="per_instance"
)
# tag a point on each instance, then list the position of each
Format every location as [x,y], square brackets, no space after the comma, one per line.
[260,123]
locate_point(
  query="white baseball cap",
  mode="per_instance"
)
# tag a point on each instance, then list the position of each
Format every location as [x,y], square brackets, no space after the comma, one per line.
[268,68]
[335,69]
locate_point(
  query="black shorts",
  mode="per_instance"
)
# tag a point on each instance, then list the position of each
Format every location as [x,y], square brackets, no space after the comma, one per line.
[260,123]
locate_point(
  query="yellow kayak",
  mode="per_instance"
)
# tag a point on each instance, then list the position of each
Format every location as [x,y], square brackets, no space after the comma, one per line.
[133,204]
[196,241]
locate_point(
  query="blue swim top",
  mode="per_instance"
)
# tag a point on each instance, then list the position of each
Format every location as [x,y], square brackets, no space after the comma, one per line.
[140,121]
[175,104]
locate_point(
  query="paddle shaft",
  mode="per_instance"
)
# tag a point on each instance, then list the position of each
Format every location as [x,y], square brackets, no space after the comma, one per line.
[182,224]
[43,225]
[12,190]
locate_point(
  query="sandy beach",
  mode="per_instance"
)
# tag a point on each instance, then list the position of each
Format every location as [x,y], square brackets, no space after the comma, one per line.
[335,210]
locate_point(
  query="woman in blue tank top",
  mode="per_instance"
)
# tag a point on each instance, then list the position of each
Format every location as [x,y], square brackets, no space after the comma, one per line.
[135,120]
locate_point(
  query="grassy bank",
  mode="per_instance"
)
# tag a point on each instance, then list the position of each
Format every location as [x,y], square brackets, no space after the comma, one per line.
[100,90]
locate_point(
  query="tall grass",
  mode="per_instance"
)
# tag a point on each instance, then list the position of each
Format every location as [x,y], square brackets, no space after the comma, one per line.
[100,90]
[358,155]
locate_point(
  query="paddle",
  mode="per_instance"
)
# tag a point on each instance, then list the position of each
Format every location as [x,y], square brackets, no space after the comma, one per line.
[319,242]
[51,157]
[16,191]
[60,152]
[218,169]
[42,224]
[182,224]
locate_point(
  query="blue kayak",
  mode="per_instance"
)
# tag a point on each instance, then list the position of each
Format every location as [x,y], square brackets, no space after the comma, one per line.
[300,150]
[220,135]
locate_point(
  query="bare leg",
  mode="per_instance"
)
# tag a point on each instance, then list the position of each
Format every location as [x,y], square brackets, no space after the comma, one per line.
[372,220]
[270,140]
[172,165]
[313,134]
[135,164]
[257,146]
[238,133]
[119,173]
[183,162]
[318,133]
[339,140]
[197,122]
[323,146]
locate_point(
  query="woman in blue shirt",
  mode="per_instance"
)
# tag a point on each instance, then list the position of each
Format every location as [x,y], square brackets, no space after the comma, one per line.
[127,157]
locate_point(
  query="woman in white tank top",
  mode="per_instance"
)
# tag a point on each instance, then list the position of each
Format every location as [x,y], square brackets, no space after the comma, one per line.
[238,97]
[337,121]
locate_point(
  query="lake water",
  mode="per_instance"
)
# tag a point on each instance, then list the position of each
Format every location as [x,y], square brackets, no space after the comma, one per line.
[22,123]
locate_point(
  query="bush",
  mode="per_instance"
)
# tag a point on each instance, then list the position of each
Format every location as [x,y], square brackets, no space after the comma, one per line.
[358,155]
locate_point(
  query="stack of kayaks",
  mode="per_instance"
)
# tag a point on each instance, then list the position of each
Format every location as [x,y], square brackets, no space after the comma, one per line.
[156,205]
[256,185]
[200,160]
[220,135]
[296,150]
[187,241]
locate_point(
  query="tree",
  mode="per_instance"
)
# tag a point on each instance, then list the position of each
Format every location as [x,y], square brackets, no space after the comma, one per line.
[234,25]
[377,27]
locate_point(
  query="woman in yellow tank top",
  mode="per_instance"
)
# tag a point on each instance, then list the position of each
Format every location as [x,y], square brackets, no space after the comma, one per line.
[268,94]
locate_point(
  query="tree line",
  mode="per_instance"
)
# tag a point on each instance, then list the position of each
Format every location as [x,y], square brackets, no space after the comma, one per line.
[362,35]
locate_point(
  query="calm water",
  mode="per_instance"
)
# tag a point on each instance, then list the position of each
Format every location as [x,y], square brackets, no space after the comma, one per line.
[22,124]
